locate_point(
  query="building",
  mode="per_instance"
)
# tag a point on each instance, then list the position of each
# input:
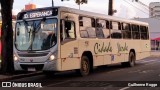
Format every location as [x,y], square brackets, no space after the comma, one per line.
[30,6]
[154,28]
[154,10]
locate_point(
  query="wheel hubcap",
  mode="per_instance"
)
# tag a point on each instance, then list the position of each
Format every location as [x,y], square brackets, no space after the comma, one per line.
[132,60]
[85,67]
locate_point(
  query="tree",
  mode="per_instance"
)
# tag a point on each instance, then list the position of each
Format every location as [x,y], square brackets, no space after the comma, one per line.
[79,1]
[7,36]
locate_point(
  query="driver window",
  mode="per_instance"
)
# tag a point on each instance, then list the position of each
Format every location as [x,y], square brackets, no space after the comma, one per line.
[69,29]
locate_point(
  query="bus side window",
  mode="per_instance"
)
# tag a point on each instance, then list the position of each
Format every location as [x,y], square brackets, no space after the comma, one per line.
[99,31]
[101,26]
[69,29]
[135,31]
[144,32]
[84,34]
[115,32]
[126,32]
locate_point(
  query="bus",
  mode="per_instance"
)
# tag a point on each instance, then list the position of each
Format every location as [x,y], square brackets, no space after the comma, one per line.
[56,39]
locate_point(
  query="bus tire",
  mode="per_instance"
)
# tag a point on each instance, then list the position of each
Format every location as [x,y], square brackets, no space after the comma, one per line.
[49,73]
[85,66]
[132,59]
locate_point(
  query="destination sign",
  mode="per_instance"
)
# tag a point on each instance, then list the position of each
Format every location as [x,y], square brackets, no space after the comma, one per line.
[38,13]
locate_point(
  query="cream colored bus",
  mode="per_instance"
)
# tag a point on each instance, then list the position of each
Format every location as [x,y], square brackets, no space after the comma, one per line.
[61,38]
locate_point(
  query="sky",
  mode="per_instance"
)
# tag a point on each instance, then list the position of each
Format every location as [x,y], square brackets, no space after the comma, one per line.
[125,8]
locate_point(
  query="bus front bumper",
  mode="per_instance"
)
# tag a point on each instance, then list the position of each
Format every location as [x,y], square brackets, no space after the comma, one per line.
[35,66]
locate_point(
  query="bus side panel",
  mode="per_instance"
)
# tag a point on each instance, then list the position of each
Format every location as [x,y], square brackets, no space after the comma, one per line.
[69,47]
[58,62]
[108,53]
[141,47]
[133,45]
[69,57]
[145,45]
[119,49]
[89,45]
[100,49]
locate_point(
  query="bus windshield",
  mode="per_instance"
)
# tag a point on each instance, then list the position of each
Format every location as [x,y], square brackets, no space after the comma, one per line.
[36,35]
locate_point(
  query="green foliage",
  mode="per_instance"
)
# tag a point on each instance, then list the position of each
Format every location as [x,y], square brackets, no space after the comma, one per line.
[81,1]
[78,1]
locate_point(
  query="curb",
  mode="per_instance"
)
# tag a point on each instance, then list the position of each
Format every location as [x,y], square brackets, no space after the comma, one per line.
[20,76]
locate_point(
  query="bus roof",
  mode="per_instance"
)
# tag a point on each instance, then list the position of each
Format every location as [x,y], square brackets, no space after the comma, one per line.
[102,16]
[89,14]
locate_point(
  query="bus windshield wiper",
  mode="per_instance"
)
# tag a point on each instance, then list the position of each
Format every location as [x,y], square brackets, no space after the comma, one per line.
[32,33]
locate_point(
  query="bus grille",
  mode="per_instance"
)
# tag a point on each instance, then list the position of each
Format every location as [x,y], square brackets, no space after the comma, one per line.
[33,55]
[38,67]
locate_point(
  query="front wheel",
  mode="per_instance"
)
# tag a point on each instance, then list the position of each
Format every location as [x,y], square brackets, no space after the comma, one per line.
[85,66]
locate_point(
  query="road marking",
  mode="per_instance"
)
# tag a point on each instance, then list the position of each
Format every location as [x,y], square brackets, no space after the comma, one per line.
[153,61]
[124,88]
[150,63]
[147,61]
[115,71]
[146,71]
[158,61]
[134,71]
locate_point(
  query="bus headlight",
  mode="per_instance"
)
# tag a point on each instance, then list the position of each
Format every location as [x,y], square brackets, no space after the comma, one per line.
[52,57]
[15,58]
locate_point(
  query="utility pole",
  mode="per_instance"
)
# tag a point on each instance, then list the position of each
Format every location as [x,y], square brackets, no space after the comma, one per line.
[52,3]
[110,8]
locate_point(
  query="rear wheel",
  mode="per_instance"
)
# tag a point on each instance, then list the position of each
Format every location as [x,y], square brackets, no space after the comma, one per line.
[131,62]
[85,66]
[132,59]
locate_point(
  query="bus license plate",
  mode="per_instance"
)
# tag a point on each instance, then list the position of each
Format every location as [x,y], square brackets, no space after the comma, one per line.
[31,69]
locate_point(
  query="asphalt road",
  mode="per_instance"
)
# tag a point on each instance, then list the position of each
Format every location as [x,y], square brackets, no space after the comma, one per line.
[113,77]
